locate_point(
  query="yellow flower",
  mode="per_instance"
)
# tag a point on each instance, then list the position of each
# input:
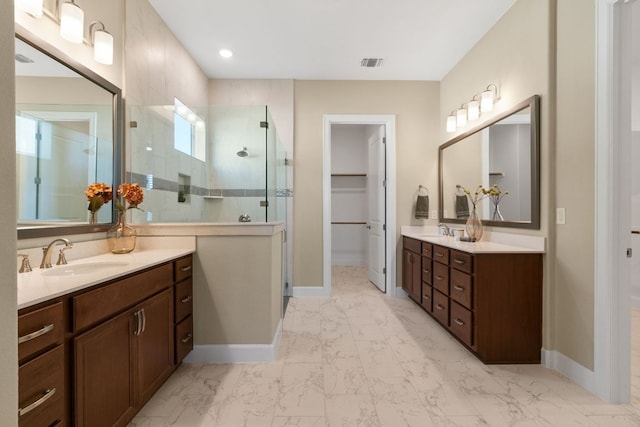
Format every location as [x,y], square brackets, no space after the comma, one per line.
[132,194]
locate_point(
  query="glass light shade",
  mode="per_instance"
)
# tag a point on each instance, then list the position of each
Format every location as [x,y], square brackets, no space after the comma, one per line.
[473,110]
[33,7]
[71,23]
[461,117]
[103,47]
[486,101]
[451,123]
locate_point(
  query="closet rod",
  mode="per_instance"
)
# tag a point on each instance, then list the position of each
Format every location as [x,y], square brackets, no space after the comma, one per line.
[348,222]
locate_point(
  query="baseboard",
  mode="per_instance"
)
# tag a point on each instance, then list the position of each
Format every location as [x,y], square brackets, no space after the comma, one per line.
[401,293]
[635,301]
[577,373]
[311,291]
[237,353]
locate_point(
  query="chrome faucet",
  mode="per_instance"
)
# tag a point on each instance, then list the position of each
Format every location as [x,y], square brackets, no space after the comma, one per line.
[46,253]
[446,231]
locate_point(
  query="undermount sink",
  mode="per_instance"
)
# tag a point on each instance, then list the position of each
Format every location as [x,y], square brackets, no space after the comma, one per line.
[87,268]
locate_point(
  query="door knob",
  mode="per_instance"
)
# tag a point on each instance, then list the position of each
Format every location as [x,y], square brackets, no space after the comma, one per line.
[368,227]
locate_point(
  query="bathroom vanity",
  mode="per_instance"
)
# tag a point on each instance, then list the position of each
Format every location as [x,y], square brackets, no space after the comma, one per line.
[93,351]
[487,295]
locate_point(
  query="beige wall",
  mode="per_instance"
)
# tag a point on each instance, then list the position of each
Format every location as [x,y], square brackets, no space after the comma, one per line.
[8,296]
[237,289]
[416,107]
[573,283]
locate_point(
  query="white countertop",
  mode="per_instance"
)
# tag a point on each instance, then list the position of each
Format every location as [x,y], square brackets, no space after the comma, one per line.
[41,285]
[491,242]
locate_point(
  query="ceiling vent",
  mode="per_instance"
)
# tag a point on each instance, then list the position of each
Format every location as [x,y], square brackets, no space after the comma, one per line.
[23,59]
[371,62]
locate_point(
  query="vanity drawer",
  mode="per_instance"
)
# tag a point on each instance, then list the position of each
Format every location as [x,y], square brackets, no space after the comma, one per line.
[461,261]
[441,277]
[41,390]
[184,338]
[427,297]
[39,330]
[426,270]
[184,268]
[411,244]
[461,288]
[184,299]
[441,307]
[427,249]
[102,303]
[441,254]
[461,323]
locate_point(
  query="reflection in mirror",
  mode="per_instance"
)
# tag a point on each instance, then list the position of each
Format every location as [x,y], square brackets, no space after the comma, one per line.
[502,154]
[66,139]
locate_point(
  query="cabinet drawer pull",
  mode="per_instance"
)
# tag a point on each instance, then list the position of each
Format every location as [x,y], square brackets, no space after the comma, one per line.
[185,268]
[439,277]
[36,334]
[439,307]
[458,261]
[187,338]
[458,288]
[459,322]
[426,297]
[186,299]
[144,321]
[440,255]
[47,395]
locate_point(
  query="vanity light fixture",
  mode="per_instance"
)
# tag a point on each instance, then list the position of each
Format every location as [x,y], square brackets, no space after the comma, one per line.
[71,22]
[102,42]
[32,7]
[488,98]
[473,108]
[461,116]
[451,122]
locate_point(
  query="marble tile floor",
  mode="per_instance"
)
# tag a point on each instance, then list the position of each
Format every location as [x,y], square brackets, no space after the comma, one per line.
[359,358]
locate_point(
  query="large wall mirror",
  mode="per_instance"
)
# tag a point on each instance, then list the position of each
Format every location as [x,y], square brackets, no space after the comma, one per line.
[503,152]
[68,135]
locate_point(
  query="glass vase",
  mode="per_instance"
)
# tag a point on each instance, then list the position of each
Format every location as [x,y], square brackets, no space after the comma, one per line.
[474,225]
[121,238]
[93,217]
[497,215]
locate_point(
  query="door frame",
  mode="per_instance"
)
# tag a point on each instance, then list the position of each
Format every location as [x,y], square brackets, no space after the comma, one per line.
[612,291]
[389,121]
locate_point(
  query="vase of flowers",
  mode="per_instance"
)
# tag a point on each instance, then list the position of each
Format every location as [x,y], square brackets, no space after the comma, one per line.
[121,238]
[473,225]
[496,195]
[97,194]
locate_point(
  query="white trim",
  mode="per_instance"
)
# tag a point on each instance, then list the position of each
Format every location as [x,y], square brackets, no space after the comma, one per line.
[311,291]
[389,121]
[570,368]
[612,292]
[237,353]
[635,302]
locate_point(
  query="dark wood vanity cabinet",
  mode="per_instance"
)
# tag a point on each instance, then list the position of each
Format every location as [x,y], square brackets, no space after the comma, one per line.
[412,269]
[491,302]
[113,345]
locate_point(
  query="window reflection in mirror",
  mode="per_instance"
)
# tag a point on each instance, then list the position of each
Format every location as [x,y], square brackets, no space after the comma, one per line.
[503,153]
[64,141]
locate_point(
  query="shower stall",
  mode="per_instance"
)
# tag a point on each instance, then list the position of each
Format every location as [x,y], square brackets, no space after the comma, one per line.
[212,164]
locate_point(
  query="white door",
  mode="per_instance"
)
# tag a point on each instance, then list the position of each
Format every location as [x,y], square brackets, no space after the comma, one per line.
[377,217]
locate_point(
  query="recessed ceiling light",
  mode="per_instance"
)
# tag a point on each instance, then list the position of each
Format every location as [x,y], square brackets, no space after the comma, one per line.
[225,53]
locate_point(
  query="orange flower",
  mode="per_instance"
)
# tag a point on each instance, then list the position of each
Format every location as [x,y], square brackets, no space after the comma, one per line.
[132,193]
[98,194]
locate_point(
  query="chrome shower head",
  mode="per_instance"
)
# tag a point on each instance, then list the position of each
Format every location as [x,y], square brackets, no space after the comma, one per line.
[243,152]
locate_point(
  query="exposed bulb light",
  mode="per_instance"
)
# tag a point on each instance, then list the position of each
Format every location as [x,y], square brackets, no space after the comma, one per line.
[461,117]
[451,123]
[225,53]
[102,44]
[473,109]
[32,7]
[71,22]
[488,97]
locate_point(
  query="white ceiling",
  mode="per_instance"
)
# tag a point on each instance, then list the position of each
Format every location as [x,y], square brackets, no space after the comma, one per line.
[327,39]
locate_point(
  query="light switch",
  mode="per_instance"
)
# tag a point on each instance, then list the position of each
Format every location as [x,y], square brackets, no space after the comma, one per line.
[434,214]
[560,216]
